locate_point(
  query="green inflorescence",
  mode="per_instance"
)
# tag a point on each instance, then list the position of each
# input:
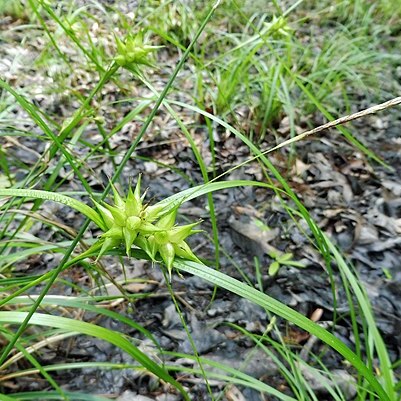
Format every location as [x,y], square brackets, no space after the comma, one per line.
[132,222]
[133,51]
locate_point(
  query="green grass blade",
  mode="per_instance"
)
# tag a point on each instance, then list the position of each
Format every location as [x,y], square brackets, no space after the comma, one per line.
[32,250]
[55,197]
[259,155]
[385,363]
[32,111]
[4,397]
[52,396]
[347,134]
[194,192]
[71,34]
[78,303]
[95,331]
[280,309]
[235,376]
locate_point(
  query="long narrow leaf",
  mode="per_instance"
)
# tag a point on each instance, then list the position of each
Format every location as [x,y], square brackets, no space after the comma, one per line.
[282,310]
[95,331]
[55,197]
[52,396]
[385,363]
[78,303]
[192,193]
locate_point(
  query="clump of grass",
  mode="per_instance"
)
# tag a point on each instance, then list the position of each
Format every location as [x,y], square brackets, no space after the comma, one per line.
[271,67]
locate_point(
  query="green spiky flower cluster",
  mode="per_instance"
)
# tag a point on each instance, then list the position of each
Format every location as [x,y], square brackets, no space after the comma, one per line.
[131,222]
[278,26]
[134,51]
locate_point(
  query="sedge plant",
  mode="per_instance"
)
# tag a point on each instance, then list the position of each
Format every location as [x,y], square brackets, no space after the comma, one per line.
[132,227]
[186,264]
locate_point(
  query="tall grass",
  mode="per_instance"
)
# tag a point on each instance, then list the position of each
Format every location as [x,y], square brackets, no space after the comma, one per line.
[246,74]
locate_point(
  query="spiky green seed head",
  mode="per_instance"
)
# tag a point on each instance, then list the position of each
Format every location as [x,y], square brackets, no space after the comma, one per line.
[134,52]
[131,222]
[278,26]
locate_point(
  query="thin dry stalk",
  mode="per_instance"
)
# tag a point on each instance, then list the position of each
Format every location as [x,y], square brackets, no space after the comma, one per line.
[342,120]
